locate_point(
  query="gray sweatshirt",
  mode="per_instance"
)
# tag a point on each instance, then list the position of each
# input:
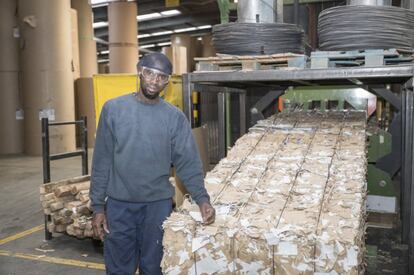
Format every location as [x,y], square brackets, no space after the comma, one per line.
[136,143]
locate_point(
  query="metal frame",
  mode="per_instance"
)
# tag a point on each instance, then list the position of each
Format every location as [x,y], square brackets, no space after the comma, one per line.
[221,102]
[47,157]
[374,79]
[407,172]
[263,103]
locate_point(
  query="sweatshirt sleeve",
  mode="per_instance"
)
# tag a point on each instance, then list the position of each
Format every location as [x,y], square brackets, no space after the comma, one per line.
[101,162]
[186,159]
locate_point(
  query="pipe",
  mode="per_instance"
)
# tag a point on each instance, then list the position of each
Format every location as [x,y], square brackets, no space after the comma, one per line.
[254,11]
[296,12]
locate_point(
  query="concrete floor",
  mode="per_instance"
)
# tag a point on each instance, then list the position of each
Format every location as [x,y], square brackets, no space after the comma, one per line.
[28,253]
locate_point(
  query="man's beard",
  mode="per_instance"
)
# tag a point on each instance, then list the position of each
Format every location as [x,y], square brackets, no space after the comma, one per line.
[148,95]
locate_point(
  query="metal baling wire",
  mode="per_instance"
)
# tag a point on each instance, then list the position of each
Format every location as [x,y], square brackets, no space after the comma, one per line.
[238,168]
[365,27]
[244,204]
[233,252]
[194,253]
[258,38]
[337,143]
[297,174]
[273,260]
[241,163]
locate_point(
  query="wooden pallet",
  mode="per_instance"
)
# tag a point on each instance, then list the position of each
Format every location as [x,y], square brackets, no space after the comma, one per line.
[365,58]
[382,220]
[250,62]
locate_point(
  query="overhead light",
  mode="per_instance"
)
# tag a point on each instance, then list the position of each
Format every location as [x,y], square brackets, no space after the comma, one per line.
[104,52]
[185,30]
[204,27]
[148,16]
[170,12]
[99,3]
[103,60]
[164,44]
[143,35]
[95,2]
[199,38]
[147,46]
[161,33]
[101,24]
[142,17]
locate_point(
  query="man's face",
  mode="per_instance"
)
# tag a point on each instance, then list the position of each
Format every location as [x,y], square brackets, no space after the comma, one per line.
[152,82]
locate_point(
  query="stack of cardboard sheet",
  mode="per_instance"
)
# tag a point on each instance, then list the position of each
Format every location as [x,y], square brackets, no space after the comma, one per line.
[289,199]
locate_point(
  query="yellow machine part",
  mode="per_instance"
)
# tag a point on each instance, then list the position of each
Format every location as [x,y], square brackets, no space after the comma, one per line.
[108,86]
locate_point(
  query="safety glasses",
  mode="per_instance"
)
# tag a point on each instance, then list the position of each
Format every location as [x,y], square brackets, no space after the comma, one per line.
[154,74]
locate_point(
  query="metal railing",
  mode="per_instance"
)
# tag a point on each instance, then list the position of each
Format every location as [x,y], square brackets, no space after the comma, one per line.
[47,157]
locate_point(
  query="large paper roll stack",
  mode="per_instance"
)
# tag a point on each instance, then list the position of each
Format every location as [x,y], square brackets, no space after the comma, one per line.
[11,115]
[123,41]
[87,44]
[47,81]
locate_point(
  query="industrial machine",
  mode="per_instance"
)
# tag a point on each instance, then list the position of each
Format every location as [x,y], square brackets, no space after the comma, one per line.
[377,79]
[382,196]
[383,153]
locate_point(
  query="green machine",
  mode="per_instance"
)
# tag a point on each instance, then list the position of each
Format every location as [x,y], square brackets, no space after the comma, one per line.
[381,191]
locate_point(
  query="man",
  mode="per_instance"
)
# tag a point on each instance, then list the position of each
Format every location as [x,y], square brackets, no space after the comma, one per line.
[139,136]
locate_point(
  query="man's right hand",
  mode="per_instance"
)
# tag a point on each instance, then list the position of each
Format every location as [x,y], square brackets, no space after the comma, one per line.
[99,225]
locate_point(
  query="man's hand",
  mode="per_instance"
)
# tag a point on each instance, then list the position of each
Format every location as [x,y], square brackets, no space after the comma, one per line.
[99,225]
[207,212]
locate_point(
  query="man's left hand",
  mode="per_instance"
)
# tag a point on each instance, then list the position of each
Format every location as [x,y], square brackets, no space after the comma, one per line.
[207,212]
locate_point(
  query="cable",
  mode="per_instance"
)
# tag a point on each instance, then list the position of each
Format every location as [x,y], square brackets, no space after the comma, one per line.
[346,28]
[257,38]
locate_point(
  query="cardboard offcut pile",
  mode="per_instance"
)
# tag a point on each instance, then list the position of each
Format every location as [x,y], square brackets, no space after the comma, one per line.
[68,204]
[289,199]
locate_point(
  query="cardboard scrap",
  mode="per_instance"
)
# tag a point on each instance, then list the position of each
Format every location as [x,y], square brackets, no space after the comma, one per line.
[289,199]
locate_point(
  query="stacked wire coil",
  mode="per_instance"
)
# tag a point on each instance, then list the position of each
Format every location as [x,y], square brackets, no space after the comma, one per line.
[258,38]
[345,28]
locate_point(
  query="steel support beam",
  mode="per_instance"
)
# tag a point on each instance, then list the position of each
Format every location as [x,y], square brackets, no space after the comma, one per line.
[216,89]
[296,12]
[279,11]
[242,107]
[221,124]
[263,103]
[187,90]
[391,163]
[386,94]
[407,173]
[222,92]
[337,76]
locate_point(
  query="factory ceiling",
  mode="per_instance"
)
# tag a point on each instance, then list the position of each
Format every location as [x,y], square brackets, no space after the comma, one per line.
[156,22]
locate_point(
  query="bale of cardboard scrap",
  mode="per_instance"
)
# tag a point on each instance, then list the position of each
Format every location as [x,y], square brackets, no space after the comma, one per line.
[289,199]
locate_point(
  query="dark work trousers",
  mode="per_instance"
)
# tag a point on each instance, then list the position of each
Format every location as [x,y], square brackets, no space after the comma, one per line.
[135,236]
